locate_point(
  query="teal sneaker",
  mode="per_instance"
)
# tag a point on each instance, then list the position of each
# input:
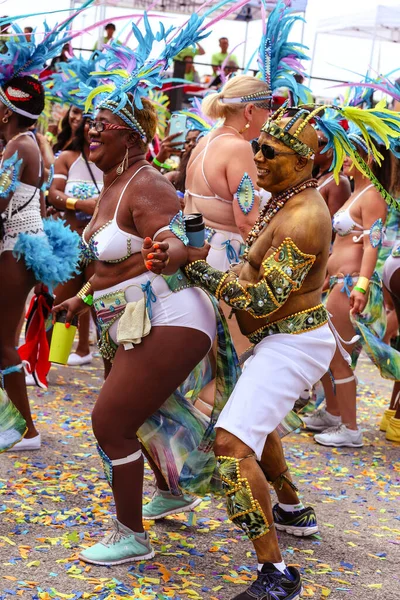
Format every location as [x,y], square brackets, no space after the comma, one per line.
[119,546]
[164,503]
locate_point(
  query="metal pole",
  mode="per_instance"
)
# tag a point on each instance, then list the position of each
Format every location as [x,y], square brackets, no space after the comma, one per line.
[245,43]
[313,58]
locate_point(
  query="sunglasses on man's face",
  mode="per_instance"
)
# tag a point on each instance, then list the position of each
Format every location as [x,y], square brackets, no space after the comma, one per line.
[267,151]
[101,126]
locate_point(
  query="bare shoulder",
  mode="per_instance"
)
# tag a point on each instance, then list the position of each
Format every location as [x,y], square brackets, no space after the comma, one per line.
[152,191]
[66,158]
[307,222]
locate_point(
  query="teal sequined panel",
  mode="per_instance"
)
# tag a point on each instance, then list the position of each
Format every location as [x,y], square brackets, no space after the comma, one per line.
[391,238]
[178,436]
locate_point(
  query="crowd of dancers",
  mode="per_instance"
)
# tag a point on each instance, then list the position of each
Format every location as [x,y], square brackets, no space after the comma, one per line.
[299,203]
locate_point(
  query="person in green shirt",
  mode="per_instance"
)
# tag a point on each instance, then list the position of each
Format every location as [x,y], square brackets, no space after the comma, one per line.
[190,71]
[109,31]
[191,52]
[218,58]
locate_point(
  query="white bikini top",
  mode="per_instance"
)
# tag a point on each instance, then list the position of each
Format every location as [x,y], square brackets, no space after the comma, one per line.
[25,191]
[204,152]
[324,183]
[79,183]
[110,243]
[344,224]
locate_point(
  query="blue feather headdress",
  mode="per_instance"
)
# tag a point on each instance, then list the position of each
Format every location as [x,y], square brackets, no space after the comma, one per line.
[24,58]
[128,74]
[279,59]
[369,128]
[74,80]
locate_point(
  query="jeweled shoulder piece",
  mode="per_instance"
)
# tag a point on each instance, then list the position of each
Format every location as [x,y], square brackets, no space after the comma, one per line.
[376,233]
[177,226]
[245,194]
[9,175]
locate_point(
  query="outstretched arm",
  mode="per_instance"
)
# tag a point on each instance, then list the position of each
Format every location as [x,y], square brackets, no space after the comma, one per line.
[283,271]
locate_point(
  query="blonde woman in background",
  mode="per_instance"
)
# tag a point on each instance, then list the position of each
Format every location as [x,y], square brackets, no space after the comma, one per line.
[221,177]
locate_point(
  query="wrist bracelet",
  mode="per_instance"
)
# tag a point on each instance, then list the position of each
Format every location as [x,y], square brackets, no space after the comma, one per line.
[70,203]
[360,289]
[363,283]
[84,295]
[88,300]
[161,165]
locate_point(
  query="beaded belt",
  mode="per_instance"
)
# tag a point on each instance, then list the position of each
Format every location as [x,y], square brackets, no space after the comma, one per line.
[312,318]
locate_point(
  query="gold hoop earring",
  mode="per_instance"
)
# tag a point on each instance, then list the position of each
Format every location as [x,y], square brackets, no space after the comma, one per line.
[5,119]
[244,128]
[124,165]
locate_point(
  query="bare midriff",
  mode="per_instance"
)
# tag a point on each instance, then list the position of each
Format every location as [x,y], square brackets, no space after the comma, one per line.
[347,256]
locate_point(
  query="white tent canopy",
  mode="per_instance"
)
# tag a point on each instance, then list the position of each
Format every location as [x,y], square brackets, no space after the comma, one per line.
[187,7]
[381,24]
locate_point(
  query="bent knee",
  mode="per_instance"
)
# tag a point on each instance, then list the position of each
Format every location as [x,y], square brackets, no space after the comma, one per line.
[227,444]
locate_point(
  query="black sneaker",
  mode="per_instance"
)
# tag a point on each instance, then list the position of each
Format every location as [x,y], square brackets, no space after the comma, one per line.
[300,522]
[271,584]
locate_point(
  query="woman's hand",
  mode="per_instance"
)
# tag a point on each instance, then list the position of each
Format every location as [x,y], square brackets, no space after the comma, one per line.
[197,253]
[74,307]
[358,302]
[168,147]
[155,255]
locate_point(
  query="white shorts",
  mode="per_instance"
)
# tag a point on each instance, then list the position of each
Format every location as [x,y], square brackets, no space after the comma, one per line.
[391,265]
[190,307]
[225,249]
[282,366]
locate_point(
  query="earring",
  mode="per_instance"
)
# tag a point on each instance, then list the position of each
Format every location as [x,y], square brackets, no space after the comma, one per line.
[244,128]
[124,165]
[5,119]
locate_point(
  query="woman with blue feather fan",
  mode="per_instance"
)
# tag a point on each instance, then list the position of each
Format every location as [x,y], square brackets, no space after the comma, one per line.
[32,249]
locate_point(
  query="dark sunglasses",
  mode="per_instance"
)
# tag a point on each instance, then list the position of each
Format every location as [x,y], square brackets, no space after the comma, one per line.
[101,126]
[267,151]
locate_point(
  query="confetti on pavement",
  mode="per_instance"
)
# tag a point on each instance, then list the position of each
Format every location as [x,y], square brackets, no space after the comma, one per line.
[55,501]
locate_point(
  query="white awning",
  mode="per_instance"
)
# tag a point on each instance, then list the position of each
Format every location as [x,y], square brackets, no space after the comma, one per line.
[381,24]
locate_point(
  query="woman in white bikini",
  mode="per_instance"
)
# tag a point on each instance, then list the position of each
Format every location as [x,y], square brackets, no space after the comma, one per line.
[154,336]
[221,174]
[358,225]
[75,189]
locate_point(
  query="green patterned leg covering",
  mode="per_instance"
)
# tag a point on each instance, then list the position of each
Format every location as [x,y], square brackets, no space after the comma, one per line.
[243,510]
[281,479]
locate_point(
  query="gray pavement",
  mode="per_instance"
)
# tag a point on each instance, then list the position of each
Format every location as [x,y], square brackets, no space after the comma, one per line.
[55,501]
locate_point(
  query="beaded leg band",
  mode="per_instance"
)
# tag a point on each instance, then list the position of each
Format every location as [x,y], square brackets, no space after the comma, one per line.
[108,464]
[281,480]
[242,508]
[7,371]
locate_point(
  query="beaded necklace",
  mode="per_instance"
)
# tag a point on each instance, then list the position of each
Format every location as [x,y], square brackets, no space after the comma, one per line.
[270,210]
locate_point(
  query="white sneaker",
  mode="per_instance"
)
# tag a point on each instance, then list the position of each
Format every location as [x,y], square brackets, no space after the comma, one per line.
[340,436]
[27,444]
[29,380]
[321,420]
[75,360]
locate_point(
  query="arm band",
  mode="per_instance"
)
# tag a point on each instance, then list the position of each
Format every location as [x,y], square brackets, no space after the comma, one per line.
[362,283]
[70,203]
[161,165]
[284,272]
